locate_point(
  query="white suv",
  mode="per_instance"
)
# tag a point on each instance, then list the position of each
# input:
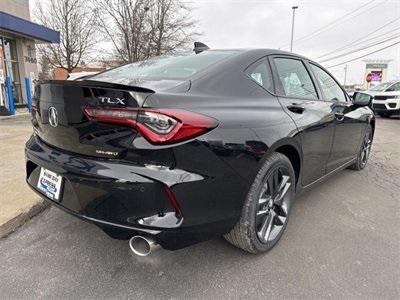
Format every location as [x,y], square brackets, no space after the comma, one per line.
[386,98]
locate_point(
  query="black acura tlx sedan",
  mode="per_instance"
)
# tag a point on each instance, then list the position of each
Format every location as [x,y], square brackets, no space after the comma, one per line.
[179,149]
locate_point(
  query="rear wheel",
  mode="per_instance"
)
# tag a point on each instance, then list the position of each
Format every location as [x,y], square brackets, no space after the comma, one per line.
[365,150]
[266,210]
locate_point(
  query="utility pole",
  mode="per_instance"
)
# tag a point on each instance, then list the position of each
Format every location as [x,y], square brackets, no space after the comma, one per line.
[345,74]
[291,36]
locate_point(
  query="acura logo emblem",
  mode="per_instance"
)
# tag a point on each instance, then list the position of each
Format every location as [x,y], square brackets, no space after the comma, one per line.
[53,117]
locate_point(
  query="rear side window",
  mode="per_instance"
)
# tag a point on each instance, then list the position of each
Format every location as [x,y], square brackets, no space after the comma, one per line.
[332,91]
[295,80]
[260,72]
[179,66]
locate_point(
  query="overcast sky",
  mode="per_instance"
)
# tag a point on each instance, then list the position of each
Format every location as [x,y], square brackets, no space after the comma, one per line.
[267,24]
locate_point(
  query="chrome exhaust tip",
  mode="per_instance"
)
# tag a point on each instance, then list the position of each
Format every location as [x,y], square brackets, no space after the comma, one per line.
[143,245]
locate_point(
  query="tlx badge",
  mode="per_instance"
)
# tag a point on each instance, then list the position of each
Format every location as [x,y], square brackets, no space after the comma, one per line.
[108,100]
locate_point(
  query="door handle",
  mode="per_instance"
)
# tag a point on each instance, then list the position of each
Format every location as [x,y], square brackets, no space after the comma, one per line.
[339,116]
[296,108]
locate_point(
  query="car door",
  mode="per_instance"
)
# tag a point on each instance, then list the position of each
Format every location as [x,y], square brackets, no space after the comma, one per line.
[299,97]
[347,123]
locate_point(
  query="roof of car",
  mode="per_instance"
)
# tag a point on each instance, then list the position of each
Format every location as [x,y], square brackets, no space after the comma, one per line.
[254,53]
[266,50]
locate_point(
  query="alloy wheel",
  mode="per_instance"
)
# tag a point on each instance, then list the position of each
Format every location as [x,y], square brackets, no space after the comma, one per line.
[366,148]
[273,204]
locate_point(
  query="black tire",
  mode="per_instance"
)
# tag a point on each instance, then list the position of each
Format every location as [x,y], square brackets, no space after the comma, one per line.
[364,152]
[384,115]
[247,231]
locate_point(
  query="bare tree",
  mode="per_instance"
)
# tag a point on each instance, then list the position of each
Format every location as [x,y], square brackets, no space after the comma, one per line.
[139,29]
[75,20]
[170,27]
[124,25]
[45,68]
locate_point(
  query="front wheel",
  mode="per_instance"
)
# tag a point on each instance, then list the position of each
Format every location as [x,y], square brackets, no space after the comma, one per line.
[266,209]
[365,150]
[384,115]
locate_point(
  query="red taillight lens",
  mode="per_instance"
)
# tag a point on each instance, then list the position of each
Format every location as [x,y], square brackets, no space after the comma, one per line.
[158,126]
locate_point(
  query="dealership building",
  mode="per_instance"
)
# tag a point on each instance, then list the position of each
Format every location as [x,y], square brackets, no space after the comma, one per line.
[377,70]
[18,62]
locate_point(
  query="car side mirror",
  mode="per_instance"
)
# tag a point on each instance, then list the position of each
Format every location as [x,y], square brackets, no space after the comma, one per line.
[362,99]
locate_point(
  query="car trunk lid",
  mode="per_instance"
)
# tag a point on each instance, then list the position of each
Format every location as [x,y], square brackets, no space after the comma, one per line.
[59,121]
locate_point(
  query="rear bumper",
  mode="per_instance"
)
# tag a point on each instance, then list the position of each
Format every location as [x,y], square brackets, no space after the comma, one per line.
[125,199]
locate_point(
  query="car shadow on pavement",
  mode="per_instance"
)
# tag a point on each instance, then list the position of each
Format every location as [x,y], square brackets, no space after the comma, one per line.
[322,254]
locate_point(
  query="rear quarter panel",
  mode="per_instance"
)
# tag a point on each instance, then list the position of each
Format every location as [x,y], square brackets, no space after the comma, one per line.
[252,124]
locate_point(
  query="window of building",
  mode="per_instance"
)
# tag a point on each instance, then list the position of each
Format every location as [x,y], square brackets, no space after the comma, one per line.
[11,67]
[295,80]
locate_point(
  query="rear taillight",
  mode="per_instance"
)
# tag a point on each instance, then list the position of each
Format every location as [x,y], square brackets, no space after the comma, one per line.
[158,126]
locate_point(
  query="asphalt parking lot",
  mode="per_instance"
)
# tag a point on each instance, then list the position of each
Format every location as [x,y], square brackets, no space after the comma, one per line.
[343,241]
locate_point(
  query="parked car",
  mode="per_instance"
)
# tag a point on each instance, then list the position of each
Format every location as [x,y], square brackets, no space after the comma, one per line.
[386,100]
[180,149]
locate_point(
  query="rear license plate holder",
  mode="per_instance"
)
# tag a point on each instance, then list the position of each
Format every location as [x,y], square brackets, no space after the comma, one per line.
[50,184]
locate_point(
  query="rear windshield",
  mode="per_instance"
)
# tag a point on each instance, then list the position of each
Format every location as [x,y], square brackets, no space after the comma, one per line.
[178,66]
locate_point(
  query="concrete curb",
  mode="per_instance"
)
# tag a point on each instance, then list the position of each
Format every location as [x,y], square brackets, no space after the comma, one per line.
[19,220]
[24,114]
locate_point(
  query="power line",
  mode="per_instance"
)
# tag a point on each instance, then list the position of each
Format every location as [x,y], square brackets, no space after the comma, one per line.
[360,49]
[361,39]
[331,23]
[338,21]
[375,37]
[397,29]
[353,59]
[335,21]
